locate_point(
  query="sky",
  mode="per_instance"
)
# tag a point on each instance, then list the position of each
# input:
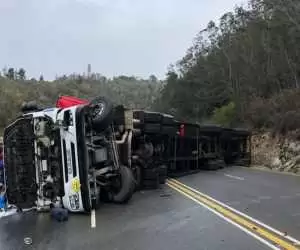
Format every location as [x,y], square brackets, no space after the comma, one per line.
[117,37]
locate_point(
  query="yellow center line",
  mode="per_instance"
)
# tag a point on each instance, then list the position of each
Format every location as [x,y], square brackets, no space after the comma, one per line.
[252,227]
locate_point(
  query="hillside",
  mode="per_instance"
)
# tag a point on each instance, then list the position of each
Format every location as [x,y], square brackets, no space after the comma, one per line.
[132,92]
[243,70]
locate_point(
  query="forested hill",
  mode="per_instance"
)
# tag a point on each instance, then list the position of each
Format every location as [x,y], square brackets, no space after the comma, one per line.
[129,91]
[243,70]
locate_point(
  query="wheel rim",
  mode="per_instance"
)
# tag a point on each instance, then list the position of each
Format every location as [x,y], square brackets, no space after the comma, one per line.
[98,109]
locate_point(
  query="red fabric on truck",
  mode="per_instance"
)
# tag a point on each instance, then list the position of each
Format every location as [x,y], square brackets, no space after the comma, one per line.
[69,101]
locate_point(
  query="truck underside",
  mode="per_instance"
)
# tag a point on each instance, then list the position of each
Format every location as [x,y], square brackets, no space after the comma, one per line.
[61,157]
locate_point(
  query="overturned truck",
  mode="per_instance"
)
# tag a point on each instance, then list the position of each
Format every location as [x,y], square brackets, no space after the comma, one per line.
[83,152]
[65,157]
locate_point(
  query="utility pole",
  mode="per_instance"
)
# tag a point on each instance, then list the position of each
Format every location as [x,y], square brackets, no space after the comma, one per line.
[89,70]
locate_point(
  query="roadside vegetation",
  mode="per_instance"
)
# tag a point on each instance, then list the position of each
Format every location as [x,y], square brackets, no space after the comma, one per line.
[243,70]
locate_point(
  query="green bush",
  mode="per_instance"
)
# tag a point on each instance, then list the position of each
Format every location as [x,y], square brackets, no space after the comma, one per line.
[225,115]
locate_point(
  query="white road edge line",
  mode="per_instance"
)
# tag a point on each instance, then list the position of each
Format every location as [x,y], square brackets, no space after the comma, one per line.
[235,177]
[232,222]
[290,238]
[93,218]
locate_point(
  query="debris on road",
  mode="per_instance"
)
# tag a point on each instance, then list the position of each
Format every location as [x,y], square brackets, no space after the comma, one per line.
[59,214]
[165,195]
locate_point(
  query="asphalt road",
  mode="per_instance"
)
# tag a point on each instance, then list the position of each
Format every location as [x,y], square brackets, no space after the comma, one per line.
[272,198]
[164,219]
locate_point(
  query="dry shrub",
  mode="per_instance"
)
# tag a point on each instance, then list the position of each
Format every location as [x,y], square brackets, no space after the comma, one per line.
[259,114]
[289,121]
[281,113]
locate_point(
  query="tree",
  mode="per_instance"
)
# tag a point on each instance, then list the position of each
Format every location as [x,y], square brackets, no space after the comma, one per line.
[4,71]
[21,74]
[252,53]
[153,78]
[79,79]
[41,78]
[11,74]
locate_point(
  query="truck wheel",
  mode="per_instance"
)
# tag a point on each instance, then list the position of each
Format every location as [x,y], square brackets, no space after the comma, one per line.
[152,117]
[150,174]
[152,128]
[125,185]
[168,130]
[163,171]
[137,173]
[168,120]
[31,106]
[102,113]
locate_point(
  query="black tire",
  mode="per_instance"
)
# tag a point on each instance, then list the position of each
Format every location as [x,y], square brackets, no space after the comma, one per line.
[138,114]
[137,173]
[228,159]
[168,130]
[211,166]
[167,120]
[30,106]
[191,130]
[163,171]
[152,128]
[126,190]
[162,179]
[102,113]
[150,174]
[152,117]
[220,162]
[138,125]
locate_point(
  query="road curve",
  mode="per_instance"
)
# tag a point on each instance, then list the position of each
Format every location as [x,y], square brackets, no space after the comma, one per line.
[270,197]
[165,219]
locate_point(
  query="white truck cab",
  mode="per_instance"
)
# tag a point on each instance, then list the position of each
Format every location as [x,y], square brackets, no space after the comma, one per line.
[64,157]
